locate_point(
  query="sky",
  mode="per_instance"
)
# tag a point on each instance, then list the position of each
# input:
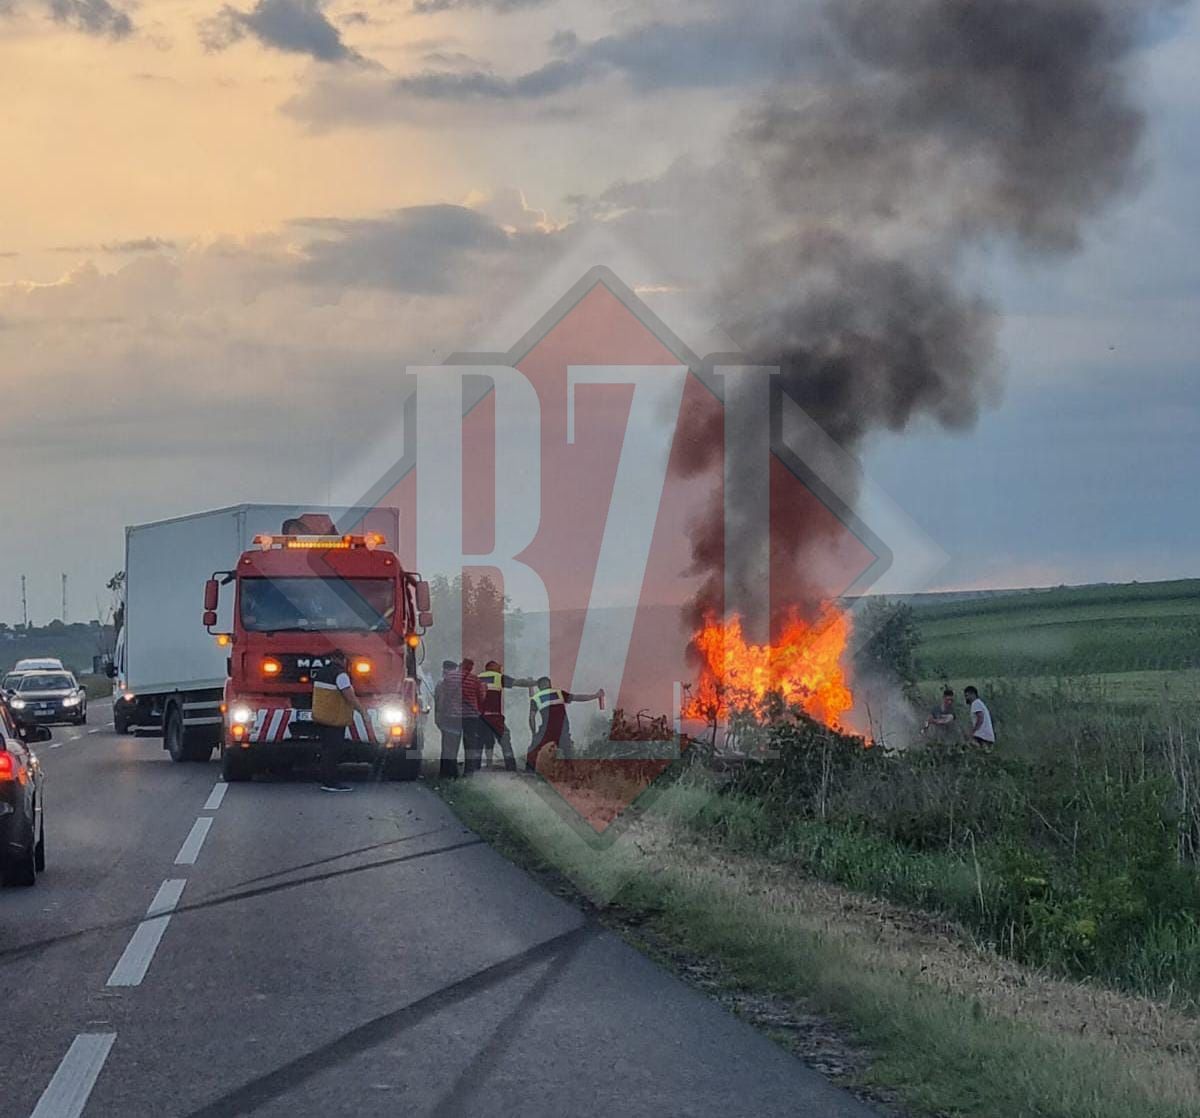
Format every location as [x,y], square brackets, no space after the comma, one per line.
[225,230]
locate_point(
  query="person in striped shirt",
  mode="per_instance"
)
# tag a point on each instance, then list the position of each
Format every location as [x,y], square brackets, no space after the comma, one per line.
[459,702]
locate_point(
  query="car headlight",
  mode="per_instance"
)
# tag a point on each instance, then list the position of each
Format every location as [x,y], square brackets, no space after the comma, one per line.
[240,715]
[18,704]
[71,701]
[393,715]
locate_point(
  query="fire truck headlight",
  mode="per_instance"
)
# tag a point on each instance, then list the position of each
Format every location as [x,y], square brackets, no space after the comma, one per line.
[393,715]
[240,715]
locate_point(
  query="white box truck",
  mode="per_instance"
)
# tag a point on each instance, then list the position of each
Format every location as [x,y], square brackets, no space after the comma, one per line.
[164,656]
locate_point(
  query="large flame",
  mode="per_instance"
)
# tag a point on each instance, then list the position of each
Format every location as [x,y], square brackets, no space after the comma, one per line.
[803,667]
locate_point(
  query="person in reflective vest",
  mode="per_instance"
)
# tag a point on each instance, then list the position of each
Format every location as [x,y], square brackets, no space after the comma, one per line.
[548,721]
[494,679]
[334,705]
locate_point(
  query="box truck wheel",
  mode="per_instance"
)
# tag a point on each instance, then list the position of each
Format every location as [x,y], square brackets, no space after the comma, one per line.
[173,733]
[120,722]
[183,744]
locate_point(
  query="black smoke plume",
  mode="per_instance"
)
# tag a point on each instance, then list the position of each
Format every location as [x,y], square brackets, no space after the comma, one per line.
[938,129]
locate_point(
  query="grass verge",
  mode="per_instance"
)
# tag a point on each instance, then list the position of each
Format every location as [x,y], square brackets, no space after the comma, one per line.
[938,1049]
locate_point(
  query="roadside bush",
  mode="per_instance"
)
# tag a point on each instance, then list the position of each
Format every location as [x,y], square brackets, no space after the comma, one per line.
[1071,846]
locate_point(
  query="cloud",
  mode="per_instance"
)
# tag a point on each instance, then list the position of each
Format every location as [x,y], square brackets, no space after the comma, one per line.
[137,244]
[426,7]
[232,370]
[294,26]
[653,56]
[470,85]
[418,250]
[732,48]
[140,244]
[93,17]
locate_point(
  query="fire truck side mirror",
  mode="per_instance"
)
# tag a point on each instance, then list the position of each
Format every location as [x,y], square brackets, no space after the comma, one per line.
[423,603]
[211,593]
[210,618]
[425,619]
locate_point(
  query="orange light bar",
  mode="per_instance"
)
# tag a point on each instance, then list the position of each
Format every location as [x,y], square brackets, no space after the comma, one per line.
[318,543]
[271,666]
[362,667]
[372,540]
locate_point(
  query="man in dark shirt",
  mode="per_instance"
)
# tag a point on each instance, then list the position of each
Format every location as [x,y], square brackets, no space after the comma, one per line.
[939,726]
[549,704]
[449,725]
[494,679]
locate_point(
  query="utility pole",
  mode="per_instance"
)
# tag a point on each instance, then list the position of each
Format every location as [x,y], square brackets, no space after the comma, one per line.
[24,606]
[64,609]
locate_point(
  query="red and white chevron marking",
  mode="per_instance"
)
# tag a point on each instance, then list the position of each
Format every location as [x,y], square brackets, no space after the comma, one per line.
[273,724]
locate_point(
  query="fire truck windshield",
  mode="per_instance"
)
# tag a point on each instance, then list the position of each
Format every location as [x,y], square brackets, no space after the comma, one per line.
[280,605]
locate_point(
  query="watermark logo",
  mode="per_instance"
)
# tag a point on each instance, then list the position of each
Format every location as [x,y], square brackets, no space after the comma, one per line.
[562,472]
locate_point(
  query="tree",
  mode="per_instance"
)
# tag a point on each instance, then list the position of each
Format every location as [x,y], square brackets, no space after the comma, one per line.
[116,586]
[471,614]
[886,639]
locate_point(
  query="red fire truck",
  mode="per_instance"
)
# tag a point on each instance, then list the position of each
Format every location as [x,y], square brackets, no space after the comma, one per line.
[298,595]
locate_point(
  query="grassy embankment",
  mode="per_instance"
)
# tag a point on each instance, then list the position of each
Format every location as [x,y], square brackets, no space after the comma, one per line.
[1072,850]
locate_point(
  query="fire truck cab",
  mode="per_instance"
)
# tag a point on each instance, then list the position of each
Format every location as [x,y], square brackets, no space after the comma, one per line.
[298,596]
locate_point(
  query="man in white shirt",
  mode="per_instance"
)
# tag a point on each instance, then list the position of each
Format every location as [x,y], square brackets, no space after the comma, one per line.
[982,732]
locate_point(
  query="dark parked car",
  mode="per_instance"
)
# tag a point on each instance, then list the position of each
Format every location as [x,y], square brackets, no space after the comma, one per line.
[22,825]
[49,697]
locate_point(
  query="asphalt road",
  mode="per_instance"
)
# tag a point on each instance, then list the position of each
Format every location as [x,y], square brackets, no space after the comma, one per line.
[309,954]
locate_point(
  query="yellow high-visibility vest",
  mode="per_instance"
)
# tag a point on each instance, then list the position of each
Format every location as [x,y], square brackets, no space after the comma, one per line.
[492,680]
[551,697]
[329,705]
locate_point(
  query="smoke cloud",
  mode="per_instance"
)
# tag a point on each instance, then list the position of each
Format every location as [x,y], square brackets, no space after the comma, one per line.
[939,129]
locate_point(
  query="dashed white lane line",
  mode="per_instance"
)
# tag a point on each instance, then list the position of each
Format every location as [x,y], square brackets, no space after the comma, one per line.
[135,961]
[67,1093]
[190,850]
[95,731]
[216,796]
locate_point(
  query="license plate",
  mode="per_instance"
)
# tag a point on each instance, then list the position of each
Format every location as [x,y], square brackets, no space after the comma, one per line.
[302,715]
[44,708]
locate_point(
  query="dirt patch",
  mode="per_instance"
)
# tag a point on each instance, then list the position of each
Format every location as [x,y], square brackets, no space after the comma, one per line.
[940,954]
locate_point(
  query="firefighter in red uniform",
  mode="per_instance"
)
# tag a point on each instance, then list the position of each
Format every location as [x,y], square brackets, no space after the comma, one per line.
[549,703]
[494,679]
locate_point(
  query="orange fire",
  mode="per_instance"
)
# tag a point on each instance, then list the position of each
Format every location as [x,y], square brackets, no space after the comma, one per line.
[804,667]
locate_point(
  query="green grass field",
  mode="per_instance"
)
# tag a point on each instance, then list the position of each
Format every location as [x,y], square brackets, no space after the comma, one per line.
[1137,643]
